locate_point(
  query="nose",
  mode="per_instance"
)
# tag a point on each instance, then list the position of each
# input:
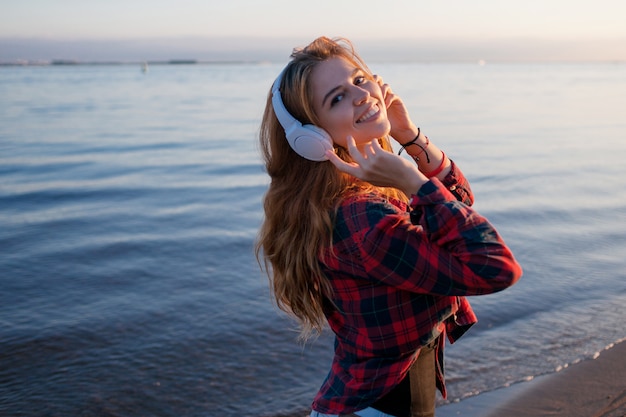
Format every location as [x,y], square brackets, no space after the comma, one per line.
[361,95]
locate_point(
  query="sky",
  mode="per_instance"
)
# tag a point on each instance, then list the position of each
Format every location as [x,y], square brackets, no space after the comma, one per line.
[268,29]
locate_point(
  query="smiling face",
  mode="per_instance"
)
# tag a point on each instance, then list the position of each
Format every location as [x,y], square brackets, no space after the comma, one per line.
[347,101]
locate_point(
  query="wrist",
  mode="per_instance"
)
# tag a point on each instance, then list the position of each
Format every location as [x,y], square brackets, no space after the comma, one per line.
[445,163]
[405,135]
[413,182]
[417,147]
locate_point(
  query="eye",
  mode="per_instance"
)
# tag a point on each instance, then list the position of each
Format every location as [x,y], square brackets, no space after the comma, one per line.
[336,99]
[359,80]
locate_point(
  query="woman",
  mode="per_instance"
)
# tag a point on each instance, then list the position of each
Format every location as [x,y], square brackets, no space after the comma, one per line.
[382,248]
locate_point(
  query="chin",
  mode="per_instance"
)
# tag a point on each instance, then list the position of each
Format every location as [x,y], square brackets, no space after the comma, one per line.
[379,131]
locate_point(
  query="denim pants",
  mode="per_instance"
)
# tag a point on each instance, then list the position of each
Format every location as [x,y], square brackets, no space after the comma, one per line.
[366,412]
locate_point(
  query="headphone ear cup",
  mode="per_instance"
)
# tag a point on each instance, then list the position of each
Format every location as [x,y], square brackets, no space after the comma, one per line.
[310,142]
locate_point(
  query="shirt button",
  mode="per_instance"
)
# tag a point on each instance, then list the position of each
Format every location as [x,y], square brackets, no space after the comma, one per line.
[453,188]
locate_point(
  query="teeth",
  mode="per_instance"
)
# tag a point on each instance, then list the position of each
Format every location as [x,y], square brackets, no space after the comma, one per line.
[369,114]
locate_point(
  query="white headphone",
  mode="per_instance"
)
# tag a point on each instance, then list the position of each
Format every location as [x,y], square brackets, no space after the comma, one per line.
[309,141]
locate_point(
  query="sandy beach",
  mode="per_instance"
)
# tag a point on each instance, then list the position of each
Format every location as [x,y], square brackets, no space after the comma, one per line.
[591,388]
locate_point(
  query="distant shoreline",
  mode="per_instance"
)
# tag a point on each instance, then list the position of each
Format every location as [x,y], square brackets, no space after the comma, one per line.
[70,62]
[245,49]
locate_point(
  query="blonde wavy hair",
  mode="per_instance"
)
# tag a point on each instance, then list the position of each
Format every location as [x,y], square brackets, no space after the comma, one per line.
[302,198]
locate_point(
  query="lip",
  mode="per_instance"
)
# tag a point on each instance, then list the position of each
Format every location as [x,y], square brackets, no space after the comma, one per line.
[370,114]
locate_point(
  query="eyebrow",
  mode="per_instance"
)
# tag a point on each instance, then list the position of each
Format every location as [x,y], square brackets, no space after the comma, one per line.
[332,91]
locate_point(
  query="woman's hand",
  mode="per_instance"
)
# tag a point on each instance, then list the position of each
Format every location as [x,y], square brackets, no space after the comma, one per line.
[379,167]
[402,128]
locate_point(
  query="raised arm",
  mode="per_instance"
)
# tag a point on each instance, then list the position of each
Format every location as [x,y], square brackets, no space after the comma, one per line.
[447,248]
[431,160]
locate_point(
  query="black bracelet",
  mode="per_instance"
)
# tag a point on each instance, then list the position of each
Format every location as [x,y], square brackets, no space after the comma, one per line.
[413,142]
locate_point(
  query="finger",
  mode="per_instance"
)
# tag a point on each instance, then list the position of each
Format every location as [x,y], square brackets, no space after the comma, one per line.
[373,149]
[390,97]
[340,164]
[334,158]
[369,148]
[354,151]
[376,146]
[385,90]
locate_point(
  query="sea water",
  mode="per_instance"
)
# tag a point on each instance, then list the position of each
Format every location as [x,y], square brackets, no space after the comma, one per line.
[130,202]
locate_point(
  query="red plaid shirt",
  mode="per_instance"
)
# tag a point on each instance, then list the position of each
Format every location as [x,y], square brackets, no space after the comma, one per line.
[399,282]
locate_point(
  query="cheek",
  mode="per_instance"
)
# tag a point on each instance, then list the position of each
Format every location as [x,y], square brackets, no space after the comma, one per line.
[338,128]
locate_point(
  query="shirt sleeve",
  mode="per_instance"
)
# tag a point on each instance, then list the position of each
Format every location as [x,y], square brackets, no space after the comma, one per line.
[449,250]
[458,185]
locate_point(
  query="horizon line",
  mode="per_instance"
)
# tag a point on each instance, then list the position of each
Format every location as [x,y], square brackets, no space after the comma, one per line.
[245,49]
[183,62]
